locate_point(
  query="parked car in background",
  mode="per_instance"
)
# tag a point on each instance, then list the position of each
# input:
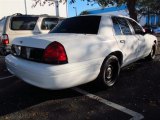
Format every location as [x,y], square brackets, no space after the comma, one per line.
[79,50]
[156,29]
[19,25]
[148,29]
[152,29]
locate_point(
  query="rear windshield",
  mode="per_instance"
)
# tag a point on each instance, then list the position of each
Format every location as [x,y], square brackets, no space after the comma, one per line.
[80,25]
[23,23]
[49,23]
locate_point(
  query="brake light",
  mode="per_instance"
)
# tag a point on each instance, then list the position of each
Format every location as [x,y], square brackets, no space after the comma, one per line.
[5,39]
[55,53]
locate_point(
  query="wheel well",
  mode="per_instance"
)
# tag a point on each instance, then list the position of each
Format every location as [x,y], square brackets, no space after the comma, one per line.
[118,54]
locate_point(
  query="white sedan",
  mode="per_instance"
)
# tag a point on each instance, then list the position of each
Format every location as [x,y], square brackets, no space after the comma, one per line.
[79,50]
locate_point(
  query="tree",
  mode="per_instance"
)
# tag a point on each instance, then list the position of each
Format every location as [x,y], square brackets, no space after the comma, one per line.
[152,6]
[133,5]
[84,13]
[147,7]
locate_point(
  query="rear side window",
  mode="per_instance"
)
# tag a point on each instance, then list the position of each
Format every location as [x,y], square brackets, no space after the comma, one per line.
[79,25]
[2,24]
[116,26]
[49,23]
[136,27]
[23,23]
[124,26]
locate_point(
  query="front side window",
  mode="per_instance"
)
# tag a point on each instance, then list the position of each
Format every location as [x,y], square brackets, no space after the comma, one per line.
[79,25]
[23,23]
[116,26]
[49,23]
[136,27]
[124,26]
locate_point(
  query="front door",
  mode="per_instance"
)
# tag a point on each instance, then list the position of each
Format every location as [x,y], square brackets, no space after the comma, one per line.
[127,42]
[139,33]
[129,45]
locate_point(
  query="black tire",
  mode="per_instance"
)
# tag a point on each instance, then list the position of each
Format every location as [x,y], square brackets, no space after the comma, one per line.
[109,71]
[3,52]
[152,54]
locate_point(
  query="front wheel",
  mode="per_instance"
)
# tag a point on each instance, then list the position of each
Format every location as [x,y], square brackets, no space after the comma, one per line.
[110,71]
[152,54]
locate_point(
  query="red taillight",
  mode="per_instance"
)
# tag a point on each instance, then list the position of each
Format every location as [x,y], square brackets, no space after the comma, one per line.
[55,53]
[5,39]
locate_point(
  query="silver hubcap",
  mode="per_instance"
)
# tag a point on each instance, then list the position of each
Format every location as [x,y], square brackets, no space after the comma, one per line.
[109,72]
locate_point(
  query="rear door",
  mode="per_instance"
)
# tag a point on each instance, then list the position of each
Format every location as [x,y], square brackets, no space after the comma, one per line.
[127,42]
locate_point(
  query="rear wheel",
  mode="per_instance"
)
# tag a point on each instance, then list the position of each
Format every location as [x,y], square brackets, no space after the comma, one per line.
[110,71]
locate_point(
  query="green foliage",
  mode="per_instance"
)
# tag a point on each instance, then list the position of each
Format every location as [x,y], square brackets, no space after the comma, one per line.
[84,13]
[142,5]
[134,6]
[153,6]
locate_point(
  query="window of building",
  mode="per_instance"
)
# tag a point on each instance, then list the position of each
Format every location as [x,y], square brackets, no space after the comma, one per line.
[153,18]
[158,20]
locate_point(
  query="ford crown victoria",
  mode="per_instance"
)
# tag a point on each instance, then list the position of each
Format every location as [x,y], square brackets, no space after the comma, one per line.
[79,50]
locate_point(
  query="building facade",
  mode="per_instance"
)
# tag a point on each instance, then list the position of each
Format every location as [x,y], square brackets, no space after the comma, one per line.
[9,7]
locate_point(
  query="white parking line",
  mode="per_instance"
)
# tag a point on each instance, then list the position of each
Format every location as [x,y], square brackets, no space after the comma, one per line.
[135,115]
[6,77]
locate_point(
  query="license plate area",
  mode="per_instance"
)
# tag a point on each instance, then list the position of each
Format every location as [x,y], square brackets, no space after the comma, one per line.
[35,54]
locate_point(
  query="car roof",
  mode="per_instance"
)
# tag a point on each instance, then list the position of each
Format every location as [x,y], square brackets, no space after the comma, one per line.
[43,15]
[107,15]
[110,15]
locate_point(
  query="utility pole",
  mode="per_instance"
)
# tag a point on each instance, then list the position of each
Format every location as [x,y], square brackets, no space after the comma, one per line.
[25,4]
[75,10]
[57,8]
[148,12]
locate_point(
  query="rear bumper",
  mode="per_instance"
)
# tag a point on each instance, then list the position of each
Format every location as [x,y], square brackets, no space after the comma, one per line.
[53,76]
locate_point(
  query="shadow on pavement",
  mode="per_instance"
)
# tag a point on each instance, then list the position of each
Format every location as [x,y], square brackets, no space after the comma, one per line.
[15,95]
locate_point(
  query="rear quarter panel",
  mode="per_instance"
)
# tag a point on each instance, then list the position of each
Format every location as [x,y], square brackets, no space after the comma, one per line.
[89,47]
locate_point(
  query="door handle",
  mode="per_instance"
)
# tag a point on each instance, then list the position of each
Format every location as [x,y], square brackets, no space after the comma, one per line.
[122,41]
